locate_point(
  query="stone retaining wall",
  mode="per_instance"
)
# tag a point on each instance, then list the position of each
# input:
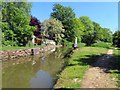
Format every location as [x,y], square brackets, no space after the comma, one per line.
[10,54]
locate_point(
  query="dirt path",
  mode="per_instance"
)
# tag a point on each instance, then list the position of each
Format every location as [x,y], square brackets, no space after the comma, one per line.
[96,77]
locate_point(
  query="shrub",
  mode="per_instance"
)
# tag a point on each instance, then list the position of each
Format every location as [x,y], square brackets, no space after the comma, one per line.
[102,44]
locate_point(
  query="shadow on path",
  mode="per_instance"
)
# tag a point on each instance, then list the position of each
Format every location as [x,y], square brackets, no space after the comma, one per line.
[103,61]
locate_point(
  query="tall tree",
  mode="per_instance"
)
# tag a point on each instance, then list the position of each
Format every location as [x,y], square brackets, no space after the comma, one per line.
[89,30]
[66,16]
[97,32]
[106,35]
[53,29]
[78,28]
[35,22]
[15,23]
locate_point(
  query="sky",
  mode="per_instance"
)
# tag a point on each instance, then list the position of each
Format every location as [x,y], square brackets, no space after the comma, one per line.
[104,13]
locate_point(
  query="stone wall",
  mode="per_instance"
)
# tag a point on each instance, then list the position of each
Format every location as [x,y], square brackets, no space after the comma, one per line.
[10,54]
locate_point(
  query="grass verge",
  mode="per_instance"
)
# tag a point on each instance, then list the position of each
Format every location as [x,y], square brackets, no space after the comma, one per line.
[79,62]
[17,47]
[115,70]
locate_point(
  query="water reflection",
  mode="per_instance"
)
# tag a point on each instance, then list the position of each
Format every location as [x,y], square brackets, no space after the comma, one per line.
[37,71]
[43,59]
[43,76]
[53,50]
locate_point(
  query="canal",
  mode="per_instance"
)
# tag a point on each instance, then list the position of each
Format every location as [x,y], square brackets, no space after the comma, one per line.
[38,71]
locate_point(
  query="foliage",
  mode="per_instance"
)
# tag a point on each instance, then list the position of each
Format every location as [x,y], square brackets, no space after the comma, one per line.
[35,22]
[116,38]
[102,34]
[15,23]
[97,32]
[102,44]
[89,30]
[18,26]
[78,28]
[93,32]
[53,29]
[66,16]
[66,43]
[106,35]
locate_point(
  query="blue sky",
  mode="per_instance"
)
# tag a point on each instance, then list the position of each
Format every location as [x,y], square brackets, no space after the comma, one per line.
[104,13]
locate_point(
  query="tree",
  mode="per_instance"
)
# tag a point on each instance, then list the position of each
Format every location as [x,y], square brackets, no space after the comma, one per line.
[97,32]
[88,34]
[106,35]
[53,29]
[35,22]
[116,38]
[15,23]
[79,28]
[66,16]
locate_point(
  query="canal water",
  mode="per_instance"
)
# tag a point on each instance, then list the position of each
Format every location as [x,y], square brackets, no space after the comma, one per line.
[39,71]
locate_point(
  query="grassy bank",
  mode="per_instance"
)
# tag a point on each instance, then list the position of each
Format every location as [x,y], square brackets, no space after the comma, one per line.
[115,70]
[18,47]
[79,62]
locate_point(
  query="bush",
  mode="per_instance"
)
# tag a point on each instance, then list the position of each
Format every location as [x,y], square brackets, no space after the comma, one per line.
[102,44]
[9,43]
